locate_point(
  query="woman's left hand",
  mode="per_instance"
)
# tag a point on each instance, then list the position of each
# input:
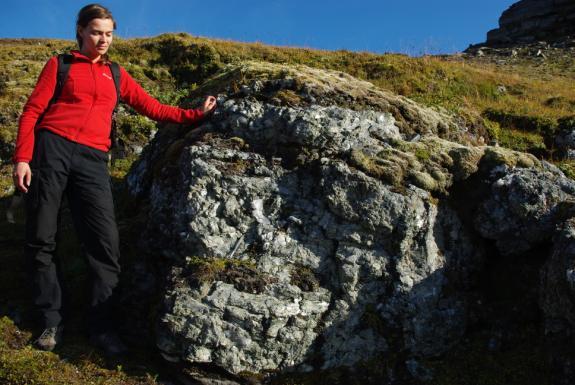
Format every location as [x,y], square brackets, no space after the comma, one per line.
[209,105]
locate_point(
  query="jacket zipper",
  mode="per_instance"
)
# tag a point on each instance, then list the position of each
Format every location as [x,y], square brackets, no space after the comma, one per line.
[89,114]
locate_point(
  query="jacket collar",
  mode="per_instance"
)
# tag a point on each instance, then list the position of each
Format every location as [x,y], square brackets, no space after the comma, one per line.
[78,56]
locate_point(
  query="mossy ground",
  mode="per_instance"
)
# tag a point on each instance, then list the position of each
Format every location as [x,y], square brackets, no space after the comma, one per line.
[21,364]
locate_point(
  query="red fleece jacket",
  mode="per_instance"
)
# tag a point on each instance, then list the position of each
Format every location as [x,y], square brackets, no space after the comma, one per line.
[83,111]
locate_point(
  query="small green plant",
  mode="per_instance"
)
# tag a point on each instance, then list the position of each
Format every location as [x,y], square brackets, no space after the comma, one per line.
[522,141]
[566,123]
[422,153]
[493,129]
[568,167]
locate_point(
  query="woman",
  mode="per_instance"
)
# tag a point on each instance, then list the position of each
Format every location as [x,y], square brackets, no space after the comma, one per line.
[62,148]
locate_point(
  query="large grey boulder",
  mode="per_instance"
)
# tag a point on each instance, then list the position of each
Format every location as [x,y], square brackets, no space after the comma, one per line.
[304,236]
[378,253]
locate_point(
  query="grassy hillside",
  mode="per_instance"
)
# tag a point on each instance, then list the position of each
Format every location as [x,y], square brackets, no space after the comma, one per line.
[520,105]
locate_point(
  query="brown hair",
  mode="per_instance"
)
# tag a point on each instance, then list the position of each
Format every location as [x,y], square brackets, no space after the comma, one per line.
[87,14]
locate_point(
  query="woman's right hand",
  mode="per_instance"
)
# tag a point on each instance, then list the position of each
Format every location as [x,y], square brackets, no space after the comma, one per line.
[22,176]
[209,105]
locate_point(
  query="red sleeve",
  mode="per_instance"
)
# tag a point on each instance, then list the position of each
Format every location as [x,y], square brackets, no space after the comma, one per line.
[34,107]
[133,94]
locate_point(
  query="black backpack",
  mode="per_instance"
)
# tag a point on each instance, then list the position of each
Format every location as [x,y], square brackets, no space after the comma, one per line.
[64,63]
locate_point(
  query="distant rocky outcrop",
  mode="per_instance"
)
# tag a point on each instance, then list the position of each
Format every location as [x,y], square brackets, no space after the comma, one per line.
[530,31]
[317,223]
[529,21]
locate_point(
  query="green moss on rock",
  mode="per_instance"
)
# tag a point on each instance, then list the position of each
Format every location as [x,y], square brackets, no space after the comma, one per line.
[390,172]
[434,164]
[243,274]
[304,278]
[496,156]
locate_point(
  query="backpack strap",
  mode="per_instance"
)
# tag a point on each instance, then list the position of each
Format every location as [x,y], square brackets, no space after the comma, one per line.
[64,63]
[115,68]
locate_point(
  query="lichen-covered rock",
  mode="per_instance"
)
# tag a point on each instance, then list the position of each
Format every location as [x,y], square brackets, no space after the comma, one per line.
[369,246]
[241,331]
[312,236]
[302,86]
[524,208]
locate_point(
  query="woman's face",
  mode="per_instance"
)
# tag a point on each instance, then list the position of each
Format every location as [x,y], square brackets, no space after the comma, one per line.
[96,37]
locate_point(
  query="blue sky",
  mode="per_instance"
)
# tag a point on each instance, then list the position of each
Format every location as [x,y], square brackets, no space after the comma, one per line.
[409,26]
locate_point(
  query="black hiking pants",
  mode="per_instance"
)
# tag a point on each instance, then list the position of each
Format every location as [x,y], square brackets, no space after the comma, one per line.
[59,167]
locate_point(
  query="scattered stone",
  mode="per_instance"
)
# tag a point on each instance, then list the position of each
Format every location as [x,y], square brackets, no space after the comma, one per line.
[565,142]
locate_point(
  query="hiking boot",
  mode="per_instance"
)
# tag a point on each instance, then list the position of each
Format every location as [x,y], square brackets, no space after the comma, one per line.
[109,343]
[49,338]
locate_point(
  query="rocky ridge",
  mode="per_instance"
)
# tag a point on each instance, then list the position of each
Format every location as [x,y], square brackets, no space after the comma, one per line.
[530,21]
[317,222]
[530,31]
